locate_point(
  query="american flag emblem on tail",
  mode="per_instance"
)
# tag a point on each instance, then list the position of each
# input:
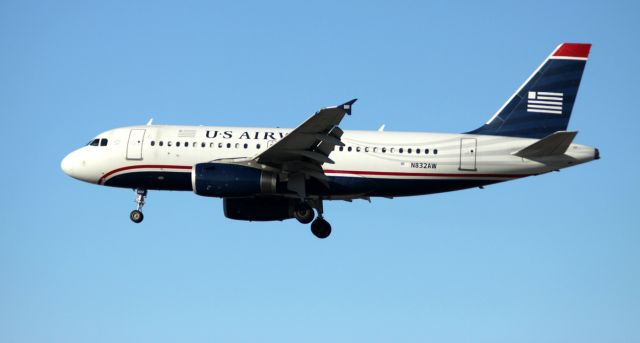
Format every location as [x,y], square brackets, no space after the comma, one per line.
[545,102]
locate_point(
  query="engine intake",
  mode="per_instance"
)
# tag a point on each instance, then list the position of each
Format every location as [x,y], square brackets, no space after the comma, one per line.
[231,180]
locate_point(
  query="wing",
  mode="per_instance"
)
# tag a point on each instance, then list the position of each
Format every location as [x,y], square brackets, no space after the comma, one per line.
[305,149]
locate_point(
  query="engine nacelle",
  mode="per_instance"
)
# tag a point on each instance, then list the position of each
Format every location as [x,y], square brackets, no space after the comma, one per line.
[258,209]
[230,180]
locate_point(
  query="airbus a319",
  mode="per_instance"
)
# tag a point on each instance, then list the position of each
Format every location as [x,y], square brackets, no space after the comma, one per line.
[265,174]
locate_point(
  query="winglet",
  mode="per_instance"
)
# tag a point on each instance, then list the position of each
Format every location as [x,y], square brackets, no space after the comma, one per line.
[347,106]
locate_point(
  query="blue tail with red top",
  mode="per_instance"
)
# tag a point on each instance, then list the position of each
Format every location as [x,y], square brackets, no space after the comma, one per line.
[543,104]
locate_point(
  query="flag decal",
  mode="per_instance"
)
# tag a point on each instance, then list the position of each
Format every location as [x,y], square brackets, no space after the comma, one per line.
[545,102]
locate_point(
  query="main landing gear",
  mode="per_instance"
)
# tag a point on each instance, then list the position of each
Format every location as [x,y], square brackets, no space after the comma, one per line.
[321,228]
[305,214]
[136,215]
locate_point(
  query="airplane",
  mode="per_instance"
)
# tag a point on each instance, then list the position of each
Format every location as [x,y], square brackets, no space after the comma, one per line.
[274,174]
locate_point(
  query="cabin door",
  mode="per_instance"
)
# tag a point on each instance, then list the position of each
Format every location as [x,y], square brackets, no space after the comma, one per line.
[468,151]
[134,146]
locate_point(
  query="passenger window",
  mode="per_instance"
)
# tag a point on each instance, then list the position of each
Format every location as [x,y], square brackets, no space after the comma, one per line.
[169,143]
[357,149]
[426,151]
[153,143]
[186,144]
[103,142]
[391,150]
[384,150]
[95,142]
[375,149]
[203,144]
[349,149]
[211,145]
[435,151]
[237,145]
[418,151]
[400,150]
[409,151]
[160,143]
[257,146]
[228,145]
[177,144]
[366,149]
[219,145]
[341,148]
[246,145]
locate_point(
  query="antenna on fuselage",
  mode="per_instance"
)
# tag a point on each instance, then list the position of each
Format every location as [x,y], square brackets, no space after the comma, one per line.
[381,129]
[150,122]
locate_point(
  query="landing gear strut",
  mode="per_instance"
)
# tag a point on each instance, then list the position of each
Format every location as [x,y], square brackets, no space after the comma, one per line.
[136,215]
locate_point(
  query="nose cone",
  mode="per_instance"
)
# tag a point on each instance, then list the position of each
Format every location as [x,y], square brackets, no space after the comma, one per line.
[67,165]
[82,165]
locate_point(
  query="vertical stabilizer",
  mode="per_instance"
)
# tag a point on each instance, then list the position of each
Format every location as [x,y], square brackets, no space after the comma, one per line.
[543,104]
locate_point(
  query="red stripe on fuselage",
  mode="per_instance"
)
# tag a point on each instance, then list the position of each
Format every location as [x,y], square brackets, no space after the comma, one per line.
[142,166]
[364,172]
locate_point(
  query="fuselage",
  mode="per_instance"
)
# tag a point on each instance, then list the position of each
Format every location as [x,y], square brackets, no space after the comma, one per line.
[371,163]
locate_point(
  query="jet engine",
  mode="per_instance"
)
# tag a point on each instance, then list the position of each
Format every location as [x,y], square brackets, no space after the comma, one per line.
[230,180]
[259,209]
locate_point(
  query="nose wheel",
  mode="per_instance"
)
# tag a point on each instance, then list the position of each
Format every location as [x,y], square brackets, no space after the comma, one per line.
[136,215]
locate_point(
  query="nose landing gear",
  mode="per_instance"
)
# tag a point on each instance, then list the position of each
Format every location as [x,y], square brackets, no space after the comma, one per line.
[136,215]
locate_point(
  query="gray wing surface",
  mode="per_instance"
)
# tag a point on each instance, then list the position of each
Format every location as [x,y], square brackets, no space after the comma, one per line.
[305,149]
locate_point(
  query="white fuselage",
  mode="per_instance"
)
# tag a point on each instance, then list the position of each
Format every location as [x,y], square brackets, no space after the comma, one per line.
[374,156]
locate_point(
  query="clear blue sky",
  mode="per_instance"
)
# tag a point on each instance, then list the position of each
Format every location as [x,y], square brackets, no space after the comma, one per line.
[553,258]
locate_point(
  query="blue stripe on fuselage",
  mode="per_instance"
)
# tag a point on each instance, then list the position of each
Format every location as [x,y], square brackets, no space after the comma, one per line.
[339,185]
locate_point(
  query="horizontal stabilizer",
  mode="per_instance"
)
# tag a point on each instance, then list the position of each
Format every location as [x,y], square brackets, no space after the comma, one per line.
[556,143]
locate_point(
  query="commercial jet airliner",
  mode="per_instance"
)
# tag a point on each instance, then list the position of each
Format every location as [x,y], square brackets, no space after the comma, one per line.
[267,174]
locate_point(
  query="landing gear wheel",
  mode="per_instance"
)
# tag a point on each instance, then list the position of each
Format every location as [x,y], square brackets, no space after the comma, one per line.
[321,228]
[136,216]
[304,213]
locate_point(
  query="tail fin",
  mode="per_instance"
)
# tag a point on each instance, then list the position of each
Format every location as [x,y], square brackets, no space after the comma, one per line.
[543,104]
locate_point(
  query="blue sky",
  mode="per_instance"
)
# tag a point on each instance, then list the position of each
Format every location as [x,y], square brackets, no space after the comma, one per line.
[552,258]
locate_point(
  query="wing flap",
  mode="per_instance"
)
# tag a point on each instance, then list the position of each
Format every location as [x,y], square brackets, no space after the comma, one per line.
[329,141]
[313,140]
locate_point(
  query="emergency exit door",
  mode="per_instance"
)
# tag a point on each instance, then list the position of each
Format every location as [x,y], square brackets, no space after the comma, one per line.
[468,147]
[134,146]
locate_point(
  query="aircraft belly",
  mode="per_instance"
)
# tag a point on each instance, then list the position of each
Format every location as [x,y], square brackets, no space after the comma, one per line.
[392,187]
[157,180]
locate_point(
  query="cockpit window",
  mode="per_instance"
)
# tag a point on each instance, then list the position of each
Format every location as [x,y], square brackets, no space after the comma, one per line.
[103,142]
[94,142]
